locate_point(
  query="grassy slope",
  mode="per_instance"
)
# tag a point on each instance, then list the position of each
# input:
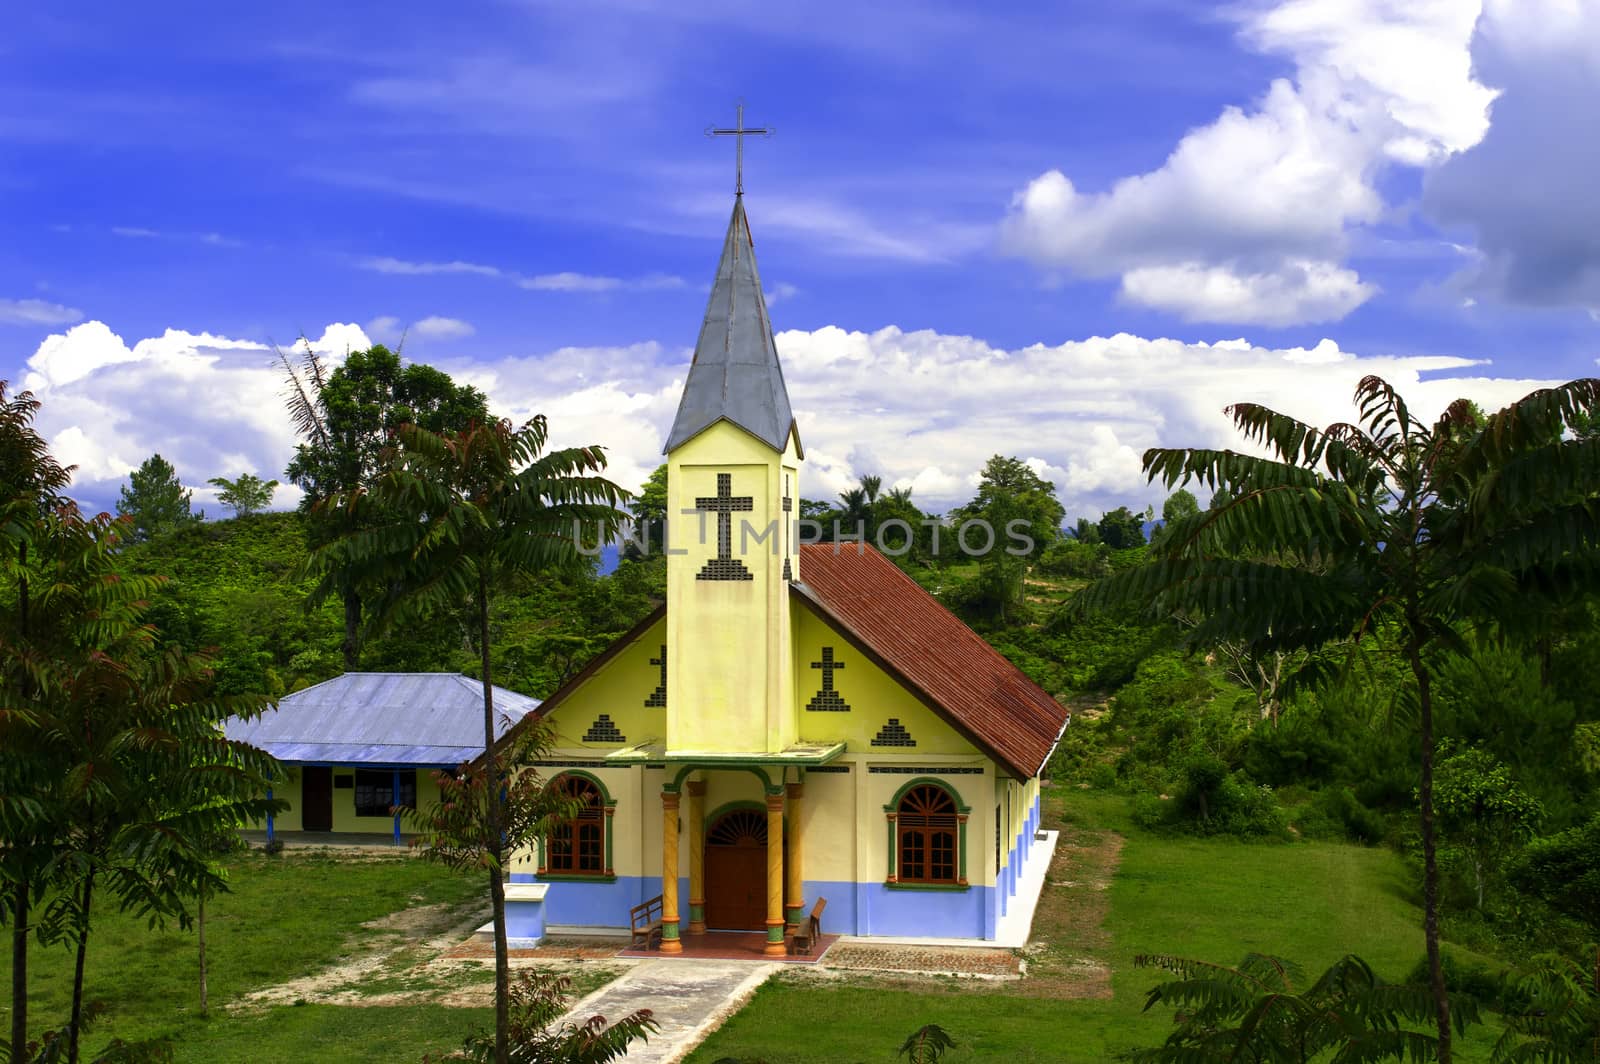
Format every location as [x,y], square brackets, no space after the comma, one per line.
[1211,899]
[286,917]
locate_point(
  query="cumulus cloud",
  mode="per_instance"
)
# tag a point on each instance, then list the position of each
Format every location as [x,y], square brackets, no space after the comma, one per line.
[434,327]
[37,312]
[1247,219]
[1526,190]
[212,405]
[920,409]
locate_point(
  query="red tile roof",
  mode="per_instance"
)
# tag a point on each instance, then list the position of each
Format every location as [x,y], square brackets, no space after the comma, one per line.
[953,669]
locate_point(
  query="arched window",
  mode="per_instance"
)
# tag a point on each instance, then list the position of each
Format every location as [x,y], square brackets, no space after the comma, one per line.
[927,831]
[577,846]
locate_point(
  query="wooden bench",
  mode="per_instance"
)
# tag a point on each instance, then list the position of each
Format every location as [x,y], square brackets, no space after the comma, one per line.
[644,920]
[805,937]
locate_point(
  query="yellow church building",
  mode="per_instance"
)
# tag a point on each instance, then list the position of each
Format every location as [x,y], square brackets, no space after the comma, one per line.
[798,721]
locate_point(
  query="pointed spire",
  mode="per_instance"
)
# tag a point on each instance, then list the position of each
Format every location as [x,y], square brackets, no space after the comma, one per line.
[735,375]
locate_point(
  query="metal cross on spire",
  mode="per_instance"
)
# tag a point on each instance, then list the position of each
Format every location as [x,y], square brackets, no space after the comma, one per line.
[739,132]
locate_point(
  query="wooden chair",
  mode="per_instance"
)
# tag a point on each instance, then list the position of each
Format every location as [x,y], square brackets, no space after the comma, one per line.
[644,920]
[806,936]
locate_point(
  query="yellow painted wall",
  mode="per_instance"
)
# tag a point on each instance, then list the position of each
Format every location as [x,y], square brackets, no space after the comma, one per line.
[619,689]
[873,695]
[344,803]
[729,682]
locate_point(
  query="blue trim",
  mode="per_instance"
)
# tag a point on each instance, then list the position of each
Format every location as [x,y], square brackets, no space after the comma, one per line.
[269,816]
[394,797]
[853,908]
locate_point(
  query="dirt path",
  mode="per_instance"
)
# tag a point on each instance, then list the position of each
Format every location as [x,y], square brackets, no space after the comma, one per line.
[1068,953]
[394,960]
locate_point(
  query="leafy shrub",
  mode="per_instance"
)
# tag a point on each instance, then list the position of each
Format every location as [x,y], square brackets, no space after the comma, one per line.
[1490,987]
[1564,869]
[1336,812]
[1071,557]
[1213,801]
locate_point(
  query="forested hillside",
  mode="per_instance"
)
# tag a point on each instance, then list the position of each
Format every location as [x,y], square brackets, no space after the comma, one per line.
[239,586]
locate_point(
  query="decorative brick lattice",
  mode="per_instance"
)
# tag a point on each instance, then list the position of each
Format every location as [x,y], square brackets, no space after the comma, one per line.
[604,730]
[788,573]
[893,734]
[827,700]
[724,504]
[658,697]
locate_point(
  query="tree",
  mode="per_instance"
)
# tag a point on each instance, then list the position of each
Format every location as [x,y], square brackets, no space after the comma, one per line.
[346,419]
[1483,813]
[1179,504]
[1558,1020]
[142,780]
[1011,486]
[1258,1012]
[453,518]
[248,494]
[31,483]
[1121,528]
[649,516]
[154,500]
[1391,529]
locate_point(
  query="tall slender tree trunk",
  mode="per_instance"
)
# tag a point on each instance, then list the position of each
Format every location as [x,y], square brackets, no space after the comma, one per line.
[497,888]
[77,968]
[20,893]
[1430,860]
[19,969]
[201,925]
[352,629]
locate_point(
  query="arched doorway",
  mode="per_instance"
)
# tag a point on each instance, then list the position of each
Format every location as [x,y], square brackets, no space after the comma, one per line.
[736,871]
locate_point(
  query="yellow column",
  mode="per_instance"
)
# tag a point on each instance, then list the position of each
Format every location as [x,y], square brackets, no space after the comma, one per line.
[774,947]
[669,873]
[697,858]
[795,905]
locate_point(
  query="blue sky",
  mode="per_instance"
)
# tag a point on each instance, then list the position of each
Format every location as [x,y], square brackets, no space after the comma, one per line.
[960,198]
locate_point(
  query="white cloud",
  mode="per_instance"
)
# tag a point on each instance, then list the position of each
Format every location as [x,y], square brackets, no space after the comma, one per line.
[37,312]
[134,232]
[781,292]
[385,264]
[1297,291]
[437,328]
[1247,219]
[212,405]
[922,409]
[585,282]
[385,329]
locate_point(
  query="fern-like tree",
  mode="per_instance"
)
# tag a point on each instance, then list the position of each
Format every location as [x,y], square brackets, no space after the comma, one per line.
[451,521]
[1263,1011]
[1390,526]
[142,777]
[31,487]
[1557,1016]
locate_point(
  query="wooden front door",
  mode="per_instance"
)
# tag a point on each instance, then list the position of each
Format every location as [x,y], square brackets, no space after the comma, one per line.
[316,798]
[736,871]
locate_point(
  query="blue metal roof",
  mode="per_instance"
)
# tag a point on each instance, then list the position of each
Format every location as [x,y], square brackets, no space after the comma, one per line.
[382,718]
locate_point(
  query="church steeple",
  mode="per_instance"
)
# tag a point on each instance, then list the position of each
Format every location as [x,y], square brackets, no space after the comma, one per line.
[735,375]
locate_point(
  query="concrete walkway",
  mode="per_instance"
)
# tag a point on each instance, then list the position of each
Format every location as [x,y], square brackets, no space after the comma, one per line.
[690,999]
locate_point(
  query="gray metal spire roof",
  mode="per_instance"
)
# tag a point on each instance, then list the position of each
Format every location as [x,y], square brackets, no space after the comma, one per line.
[735,374]
[382,718]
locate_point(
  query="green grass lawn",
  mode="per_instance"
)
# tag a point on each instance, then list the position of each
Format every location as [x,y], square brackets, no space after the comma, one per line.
[1217,900]
[286,917]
